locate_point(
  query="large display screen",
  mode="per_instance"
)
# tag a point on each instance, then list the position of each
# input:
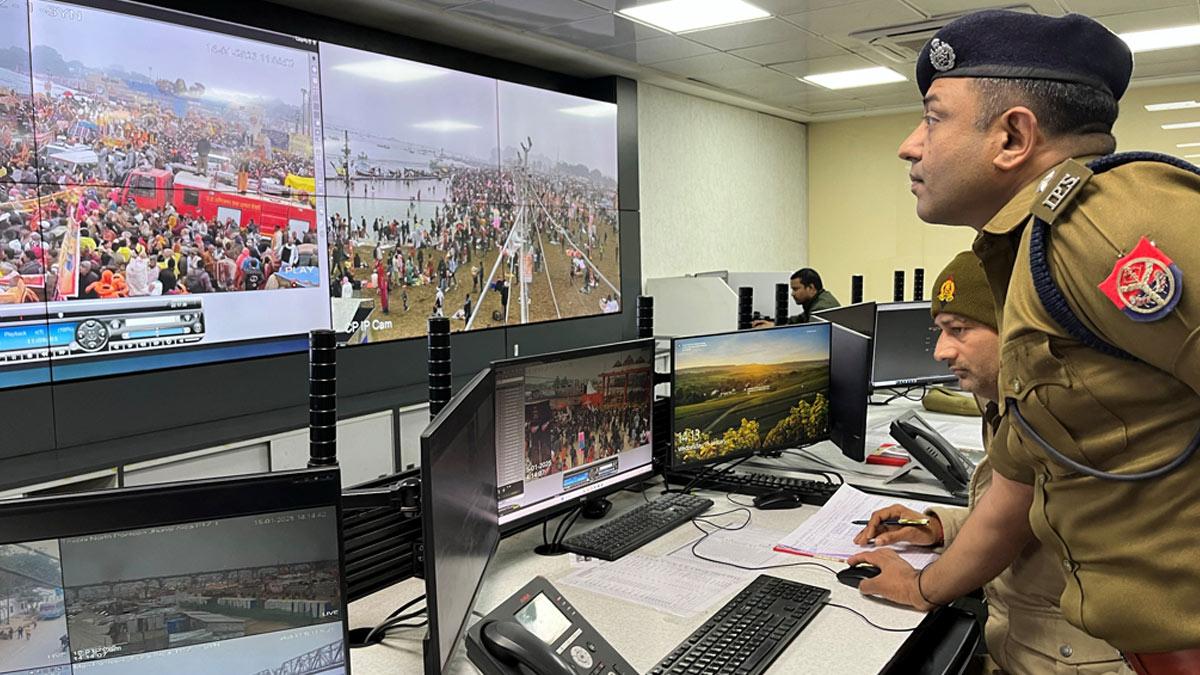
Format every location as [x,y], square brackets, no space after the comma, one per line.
[218,198]
[247,594]
[734,394]
[571,424]
[457,195]
[175,213]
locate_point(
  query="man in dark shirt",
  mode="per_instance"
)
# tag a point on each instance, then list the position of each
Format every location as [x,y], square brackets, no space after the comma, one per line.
[809,293]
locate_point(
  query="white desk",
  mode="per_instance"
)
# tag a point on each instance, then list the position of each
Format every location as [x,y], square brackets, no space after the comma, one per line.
[835,642]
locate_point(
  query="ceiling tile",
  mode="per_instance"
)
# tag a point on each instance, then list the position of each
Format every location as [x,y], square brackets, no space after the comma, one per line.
[810,94]
[601,31]
[1104,7]
[760,78]
[831,107]
[911,98]
[1155,18]
[1188,67]
[808,47]
[829,64]
[656,50]
[701,66]
[530,14]
[838,22]
[749,34]
[944,7]
[1187,54]
[781,7]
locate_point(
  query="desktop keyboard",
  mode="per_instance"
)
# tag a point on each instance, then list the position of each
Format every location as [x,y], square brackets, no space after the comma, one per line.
[752,483]
[638,526]
[749,632]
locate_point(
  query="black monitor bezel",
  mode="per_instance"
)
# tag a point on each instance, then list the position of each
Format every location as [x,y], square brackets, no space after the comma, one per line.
[842,431]
[906,382]
[483,384]
[672,459]
[825,315]
[131,508]
[541,515]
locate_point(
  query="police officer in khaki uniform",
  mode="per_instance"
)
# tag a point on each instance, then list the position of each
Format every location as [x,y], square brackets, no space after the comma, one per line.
[1086,254]
[1025,632]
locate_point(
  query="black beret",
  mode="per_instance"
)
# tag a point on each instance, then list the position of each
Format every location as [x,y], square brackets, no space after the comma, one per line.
[1016,45]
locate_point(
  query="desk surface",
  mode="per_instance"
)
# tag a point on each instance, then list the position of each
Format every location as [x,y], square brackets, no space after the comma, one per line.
[835,642]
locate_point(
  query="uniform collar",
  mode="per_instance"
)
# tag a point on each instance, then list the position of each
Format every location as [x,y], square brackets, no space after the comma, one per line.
[1013,214]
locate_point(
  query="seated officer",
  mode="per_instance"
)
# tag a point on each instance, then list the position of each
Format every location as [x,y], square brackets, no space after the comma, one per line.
[1025,631]
[809,293]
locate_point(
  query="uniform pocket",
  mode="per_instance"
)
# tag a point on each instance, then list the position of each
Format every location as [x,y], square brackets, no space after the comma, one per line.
[1054,396]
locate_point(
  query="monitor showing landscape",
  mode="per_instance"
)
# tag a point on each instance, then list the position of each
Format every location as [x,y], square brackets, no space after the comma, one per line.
[734,394]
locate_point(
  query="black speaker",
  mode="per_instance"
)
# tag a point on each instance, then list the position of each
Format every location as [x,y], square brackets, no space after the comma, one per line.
[439,364]
[781,303]
[322,398]
[919,284]
[898,286]
[745,307]
[856,289]
[645,316]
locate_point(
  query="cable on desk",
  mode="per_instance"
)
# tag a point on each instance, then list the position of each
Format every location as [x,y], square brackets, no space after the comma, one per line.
[392,619]
[711,468]
[708,533]
[824,473]
[729,497]
[870,622]
[901,394]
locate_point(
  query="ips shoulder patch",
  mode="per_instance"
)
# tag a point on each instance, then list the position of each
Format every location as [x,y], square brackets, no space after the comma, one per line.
[1058,189]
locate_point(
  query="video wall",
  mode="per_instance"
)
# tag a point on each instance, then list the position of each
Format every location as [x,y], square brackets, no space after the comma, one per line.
[218,198]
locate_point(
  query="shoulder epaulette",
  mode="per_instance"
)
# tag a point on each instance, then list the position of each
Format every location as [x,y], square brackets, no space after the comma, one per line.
[1058,189]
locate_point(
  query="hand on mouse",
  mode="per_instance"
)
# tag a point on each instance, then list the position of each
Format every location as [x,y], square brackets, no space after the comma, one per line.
[927,535]
[762,323]
[896,581]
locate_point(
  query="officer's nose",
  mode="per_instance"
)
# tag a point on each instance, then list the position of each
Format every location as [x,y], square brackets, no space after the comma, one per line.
[944,351]
[910,149]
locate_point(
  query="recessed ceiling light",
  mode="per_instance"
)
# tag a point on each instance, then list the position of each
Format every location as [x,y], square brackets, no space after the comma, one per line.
[591,110]
[681,16]
[1173,105]
[1192,156]
[391,70]
[1187,145]
[862,77]
[1162,38]
[1182,125]
[445,125]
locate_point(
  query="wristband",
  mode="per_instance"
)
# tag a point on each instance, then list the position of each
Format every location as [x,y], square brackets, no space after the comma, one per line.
[922,592]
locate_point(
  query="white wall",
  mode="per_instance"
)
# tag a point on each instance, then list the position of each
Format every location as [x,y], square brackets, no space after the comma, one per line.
[721,187]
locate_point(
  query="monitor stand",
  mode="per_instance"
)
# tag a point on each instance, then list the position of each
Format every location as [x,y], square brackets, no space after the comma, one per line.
[595,509]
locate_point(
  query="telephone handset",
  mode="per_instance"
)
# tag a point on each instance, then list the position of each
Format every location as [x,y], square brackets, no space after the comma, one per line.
[537,632]
[928,448]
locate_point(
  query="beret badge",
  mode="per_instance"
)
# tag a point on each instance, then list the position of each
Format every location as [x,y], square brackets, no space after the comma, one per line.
[941,55]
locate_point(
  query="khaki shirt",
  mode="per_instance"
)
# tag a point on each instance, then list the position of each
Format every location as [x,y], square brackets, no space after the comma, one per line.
[1025,631]
[1127,549]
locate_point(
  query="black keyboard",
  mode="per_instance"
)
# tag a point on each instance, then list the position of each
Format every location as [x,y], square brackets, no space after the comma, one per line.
[638,526]
[746,635]
[813,492]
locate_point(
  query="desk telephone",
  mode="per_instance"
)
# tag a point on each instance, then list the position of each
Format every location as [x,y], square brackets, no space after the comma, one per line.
[929,449]
[537,632]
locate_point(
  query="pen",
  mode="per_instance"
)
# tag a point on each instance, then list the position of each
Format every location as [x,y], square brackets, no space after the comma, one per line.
[897,522]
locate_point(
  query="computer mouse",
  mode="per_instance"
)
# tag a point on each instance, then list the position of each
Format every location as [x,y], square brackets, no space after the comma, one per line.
[853,576]
[783,499]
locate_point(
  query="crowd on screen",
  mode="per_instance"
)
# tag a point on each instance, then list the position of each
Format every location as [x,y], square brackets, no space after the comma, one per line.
[577,434]
[125,251]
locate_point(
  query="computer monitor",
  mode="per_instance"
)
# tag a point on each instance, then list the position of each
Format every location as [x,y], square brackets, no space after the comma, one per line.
[735,394]
[571,426]
[905,338]
[849,389]
[458,512]
[859,317]
[229,575]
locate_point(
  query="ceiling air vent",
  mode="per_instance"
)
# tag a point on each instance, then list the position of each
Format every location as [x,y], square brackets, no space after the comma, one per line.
[902,43]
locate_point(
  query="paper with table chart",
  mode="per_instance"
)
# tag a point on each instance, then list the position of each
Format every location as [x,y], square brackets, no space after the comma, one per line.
[748,547]
[669,585]
[829,533]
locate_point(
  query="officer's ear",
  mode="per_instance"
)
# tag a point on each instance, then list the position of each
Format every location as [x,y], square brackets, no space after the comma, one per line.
[1021,139]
